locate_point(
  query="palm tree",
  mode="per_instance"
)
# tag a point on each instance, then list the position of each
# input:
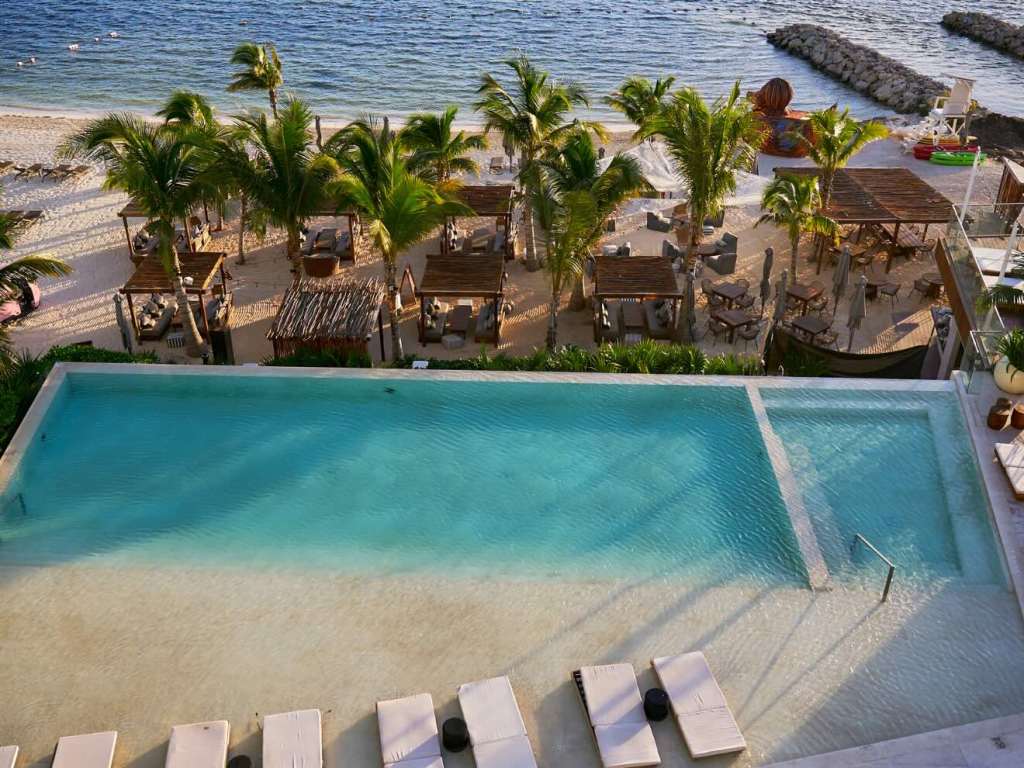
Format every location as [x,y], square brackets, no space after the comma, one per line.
[399,208]
[261,71]
[437,151]
[576,167]
[286,177]
[16,274]
[573,218]
[159,167]
[230,167]
[708,144]
[639,99]
[531,116]
[795,203]
[836,138]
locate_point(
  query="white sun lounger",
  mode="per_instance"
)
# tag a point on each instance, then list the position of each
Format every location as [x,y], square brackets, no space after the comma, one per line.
[292,740]
[612,701]
[198,745]
[699,705]
[496,729]
[1011,456]
[7,756]
[90,750]
[408,733]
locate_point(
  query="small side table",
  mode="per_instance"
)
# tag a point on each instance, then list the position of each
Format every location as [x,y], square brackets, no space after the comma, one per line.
[455,734]
[656,705]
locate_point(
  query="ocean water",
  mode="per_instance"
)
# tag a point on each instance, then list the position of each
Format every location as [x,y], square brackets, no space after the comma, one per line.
[530,480]
[348,57]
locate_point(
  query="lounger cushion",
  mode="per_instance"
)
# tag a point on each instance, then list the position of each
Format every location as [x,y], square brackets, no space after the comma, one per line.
[408,729]
[199,745]
[514,752]
[426,762]
[91,750]
[700,707]
[7,756]
[292,740]
[1011,454]
[627,745]
[490,710]
[613,697]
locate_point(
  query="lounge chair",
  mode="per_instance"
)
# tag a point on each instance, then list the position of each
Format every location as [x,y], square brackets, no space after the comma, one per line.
[408,733]
[612,703]
[724,262]
[657,326]
[657,222]
[156,331]
[671,251]
[497,733]
[497,165]
[199,745]
[951,111]
[35,169]
[5,167]
[699,705]
[436,333]
[293,739]
[57,172]
[7,756]
[1011,456]
[91,750]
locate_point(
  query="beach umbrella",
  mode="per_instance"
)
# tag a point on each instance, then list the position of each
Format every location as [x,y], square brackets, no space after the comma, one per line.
[841,277]
[123,325]
[780,298]
[858,308]
[766,277]
[691,316]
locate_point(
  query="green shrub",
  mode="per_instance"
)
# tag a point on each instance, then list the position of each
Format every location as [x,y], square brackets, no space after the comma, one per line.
[322,358]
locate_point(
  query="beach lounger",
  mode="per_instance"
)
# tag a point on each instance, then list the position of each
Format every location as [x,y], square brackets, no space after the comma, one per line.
[699,705]
[408,733]
[612,703]
[28,170]
[199,745]
[497,165]
[497,733]
[293,740]
[7,756]
[91,750]
[56,173]
[5,167]
[1011,456]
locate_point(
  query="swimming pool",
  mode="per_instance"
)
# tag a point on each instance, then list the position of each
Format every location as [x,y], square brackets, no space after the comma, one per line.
[530,479]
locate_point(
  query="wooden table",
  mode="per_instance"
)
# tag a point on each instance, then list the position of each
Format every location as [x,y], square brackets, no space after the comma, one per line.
[632,317]
[458,319]
[729,292]
[733,318]
[804,294]
[811,325]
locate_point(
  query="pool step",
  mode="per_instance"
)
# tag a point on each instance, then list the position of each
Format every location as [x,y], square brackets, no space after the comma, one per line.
[807,540]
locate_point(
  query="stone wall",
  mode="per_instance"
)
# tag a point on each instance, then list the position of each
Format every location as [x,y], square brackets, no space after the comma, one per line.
[863,69]
[987,29]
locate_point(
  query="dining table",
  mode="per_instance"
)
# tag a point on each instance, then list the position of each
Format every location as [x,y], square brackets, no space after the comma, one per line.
[811,326]
[733,319]
[729,292]
[804,293]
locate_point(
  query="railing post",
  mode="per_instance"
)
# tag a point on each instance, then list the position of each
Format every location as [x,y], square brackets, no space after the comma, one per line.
[892,567]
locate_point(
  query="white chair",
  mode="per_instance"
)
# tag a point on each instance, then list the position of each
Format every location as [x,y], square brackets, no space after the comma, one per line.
[408,733]
[611,699]
[90,750]
[198,745]
[497,733]
[952,109]
[293,739]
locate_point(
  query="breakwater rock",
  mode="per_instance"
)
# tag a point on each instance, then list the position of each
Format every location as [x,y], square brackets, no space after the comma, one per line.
[987,29]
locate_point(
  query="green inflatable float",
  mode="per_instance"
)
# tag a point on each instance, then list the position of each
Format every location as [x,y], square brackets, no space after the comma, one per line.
[955,158]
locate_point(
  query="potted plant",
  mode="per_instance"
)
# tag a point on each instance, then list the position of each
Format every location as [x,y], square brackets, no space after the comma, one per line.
[1009,369]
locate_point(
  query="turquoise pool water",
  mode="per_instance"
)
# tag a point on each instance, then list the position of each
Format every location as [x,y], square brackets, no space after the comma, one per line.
[532,480]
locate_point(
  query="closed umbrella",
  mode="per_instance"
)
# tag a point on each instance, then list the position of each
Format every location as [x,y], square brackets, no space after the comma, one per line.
[841,277]
[123,325]
[691,317]
[780,298]
[858,308]
[766,277]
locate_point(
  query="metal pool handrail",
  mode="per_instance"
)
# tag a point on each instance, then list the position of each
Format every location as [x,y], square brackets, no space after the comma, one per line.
[883,558]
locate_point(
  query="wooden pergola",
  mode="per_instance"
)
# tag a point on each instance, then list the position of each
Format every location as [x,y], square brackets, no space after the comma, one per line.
[463,276]
[636,278]
[352,217]
[133,210]
[150,277]
[336,314]
[495,201]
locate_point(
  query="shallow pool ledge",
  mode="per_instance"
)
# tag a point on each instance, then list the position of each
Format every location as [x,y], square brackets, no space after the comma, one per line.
[810,551]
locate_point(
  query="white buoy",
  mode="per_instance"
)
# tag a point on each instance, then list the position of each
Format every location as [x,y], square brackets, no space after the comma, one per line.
[113,34]
[21,64]
[31,59]
[73,47]
[95,39]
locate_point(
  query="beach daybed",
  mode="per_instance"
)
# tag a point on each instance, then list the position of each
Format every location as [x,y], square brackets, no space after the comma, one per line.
[35,169]
[408,733]
[497,733]
[1011,456]
[90,750]
[611,701]
[198,745]
[7,756]
[699,705]
[293,739]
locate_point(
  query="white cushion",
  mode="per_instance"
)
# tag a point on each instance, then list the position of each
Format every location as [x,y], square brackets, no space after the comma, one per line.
[1011,454]
[514,752]
[490,710]
[7,756]
[627,745]
[700,707]
[426,762]
[199,745]
[613,696]
[408,729]
[91,750]
[293,740]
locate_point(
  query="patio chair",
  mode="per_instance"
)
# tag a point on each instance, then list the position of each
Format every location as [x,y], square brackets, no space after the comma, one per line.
[743,283]
[611,702]
[749,333]
[90,750]
[293,738]
[923,287]
[819,304]
[8,756]
[657,222]
[828,338]
[724,262]
[699,706]
[497,733]
[892,290]
[199,745]
[746,301]
[658,317]
[951,111]
[706,291]
[715,221]
[670,250]
[1011,457]
[716,328]
[408,733]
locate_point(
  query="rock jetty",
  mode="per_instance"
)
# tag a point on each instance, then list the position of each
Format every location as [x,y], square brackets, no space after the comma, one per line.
[987,29]
[865,70]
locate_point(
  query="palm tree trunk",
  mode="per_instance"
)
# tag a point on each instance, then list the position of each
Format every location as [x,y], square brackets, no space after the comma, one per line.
[241,228]
[273,102]
[794,245]
[532,263]
[390,274]
[827,180]
[292,247]
[578,300]
[552,337]
[194,344]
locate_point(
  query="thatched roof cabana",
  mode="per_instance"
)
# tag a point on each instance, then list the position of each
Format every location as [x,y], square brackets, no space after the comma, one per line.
[495,201]
[334,314]
[463,276]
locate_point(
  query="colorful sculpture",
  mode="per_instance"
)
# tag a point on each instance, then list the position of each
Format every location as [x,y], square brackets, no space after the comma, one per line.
[771,105]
